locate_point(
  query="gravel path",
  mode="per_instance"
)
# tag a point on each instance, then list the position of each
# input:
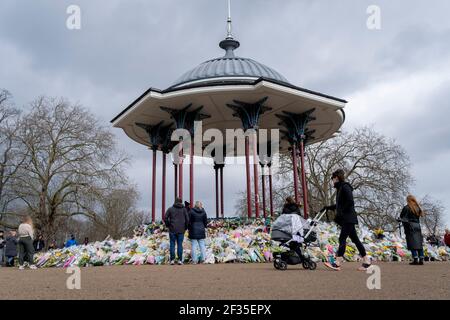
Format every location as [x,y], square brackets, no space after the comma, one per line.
[229,281]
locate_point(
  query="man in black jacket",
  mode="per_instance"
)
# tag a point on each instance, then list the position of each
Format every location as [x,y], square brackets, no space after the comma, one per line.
[177,220]
[346,218]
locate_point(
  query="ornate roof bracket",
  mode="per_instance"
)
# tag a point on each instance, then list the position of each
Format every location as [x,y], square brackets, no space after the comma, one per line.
[296,125]
[249,113]
[185,119]
[153,132]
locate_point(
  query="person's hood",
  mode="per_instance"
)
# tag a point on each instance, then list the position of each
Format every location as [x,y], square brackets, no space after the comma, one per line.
[340,184]
[197,210]
[178,205]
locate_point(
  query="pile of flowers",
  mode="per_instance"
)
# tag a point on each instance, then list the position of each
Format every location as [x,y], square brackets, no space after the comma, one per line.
[229,240]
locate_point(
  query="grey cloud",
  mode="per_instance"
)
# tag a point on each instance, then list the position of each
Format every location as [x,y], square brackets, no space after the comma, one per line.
[125,47]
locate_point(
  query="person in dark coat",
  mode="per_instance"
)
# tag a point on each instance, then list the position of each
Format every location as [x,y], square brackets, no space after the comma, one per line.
[410,218]
[346,218]
[39,244]
[290,206]
[197,232]
[2,246]
[177,220]
[11,248]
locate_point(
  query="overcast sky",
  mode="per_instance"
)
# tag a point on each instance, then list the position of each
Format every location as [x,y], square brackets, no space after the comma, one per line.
[396,79]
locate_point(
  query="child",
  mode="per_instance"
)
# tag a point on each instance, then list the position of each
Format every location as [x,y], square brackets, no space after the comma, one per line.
[11,248]
[26,249]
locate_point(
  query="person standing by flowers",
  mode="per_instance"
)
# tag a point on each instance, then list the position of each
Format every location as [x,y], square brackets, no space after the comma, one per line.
[2,247]
[197,232]
[177,220]
[447,238]
[26,249]
[11,248]
[410,217]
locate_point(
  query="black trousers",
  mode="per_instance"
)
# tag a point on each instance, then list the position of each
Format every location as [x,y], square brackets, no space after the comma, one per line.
[26,250]
[348,230]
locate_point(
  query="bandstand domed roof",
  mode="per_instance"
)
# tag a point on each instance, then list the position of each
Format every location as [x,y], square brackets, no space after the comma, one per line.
[228,68]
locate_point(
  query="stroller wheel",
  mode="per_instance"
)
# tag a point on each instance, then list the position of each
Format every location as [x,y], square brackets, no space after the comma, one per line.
[305,264]
[283,265]
[309,264]
[276,264]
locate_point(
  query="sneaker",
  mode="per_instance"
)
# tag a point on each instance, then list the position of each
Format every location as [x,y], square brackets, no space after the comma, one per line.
[180,263]
[364,267]
[21,268]
[366,264]
[33,267]
[172,262]
[332,266]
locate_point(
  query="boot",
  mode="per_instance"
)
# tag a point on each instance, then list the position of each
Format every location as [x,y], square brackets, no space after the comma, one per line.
[415,262]
[421,261]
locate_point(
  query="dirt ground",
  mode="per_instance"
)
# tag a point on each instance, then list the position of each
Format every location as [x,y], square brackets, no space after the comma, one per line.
[229,281]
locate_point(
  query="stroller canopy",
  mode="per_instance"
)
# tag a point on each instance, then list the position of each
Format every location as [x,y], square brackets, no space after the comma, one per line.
[289,223]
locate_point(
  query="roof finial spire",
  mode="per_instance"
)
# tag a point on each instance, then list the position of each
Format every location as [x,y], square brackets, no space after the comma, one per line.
[229,34]
[229,44]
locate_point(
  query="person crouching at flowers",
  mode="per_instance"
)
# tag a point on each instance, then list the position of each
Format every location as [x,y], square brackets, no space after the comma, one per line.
[346,218]
[197,225]
[26,249]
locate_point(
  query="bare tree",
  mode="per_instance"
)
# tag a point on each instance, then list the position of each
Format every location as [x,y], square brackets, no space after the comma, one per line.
[377,167]
[433,215]
[117,215]
[69,154]
[10,158]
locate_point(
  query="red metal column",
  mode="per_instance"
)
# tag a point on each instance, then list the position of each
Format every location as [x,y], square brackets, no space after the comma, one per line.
[255,175]
[263,178]
[305,191]
[175,175]
[191,176]
[154,186]
[295,168]
[163,197]
[216,173]
[221,191]
[270,190]
[247,171]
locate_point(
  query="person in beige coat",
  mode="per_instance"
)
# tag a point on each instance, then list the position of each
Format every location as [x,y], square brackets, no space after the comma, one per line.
[26,249]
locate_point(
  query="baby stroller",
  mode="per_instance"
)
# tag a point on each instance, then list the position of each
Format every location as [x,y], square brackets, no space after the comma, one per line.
[296,234]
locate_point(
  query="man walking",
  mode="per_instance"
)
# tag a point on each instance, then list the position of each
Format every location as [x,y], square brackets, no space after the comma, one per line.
[346,218]
[177,220]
